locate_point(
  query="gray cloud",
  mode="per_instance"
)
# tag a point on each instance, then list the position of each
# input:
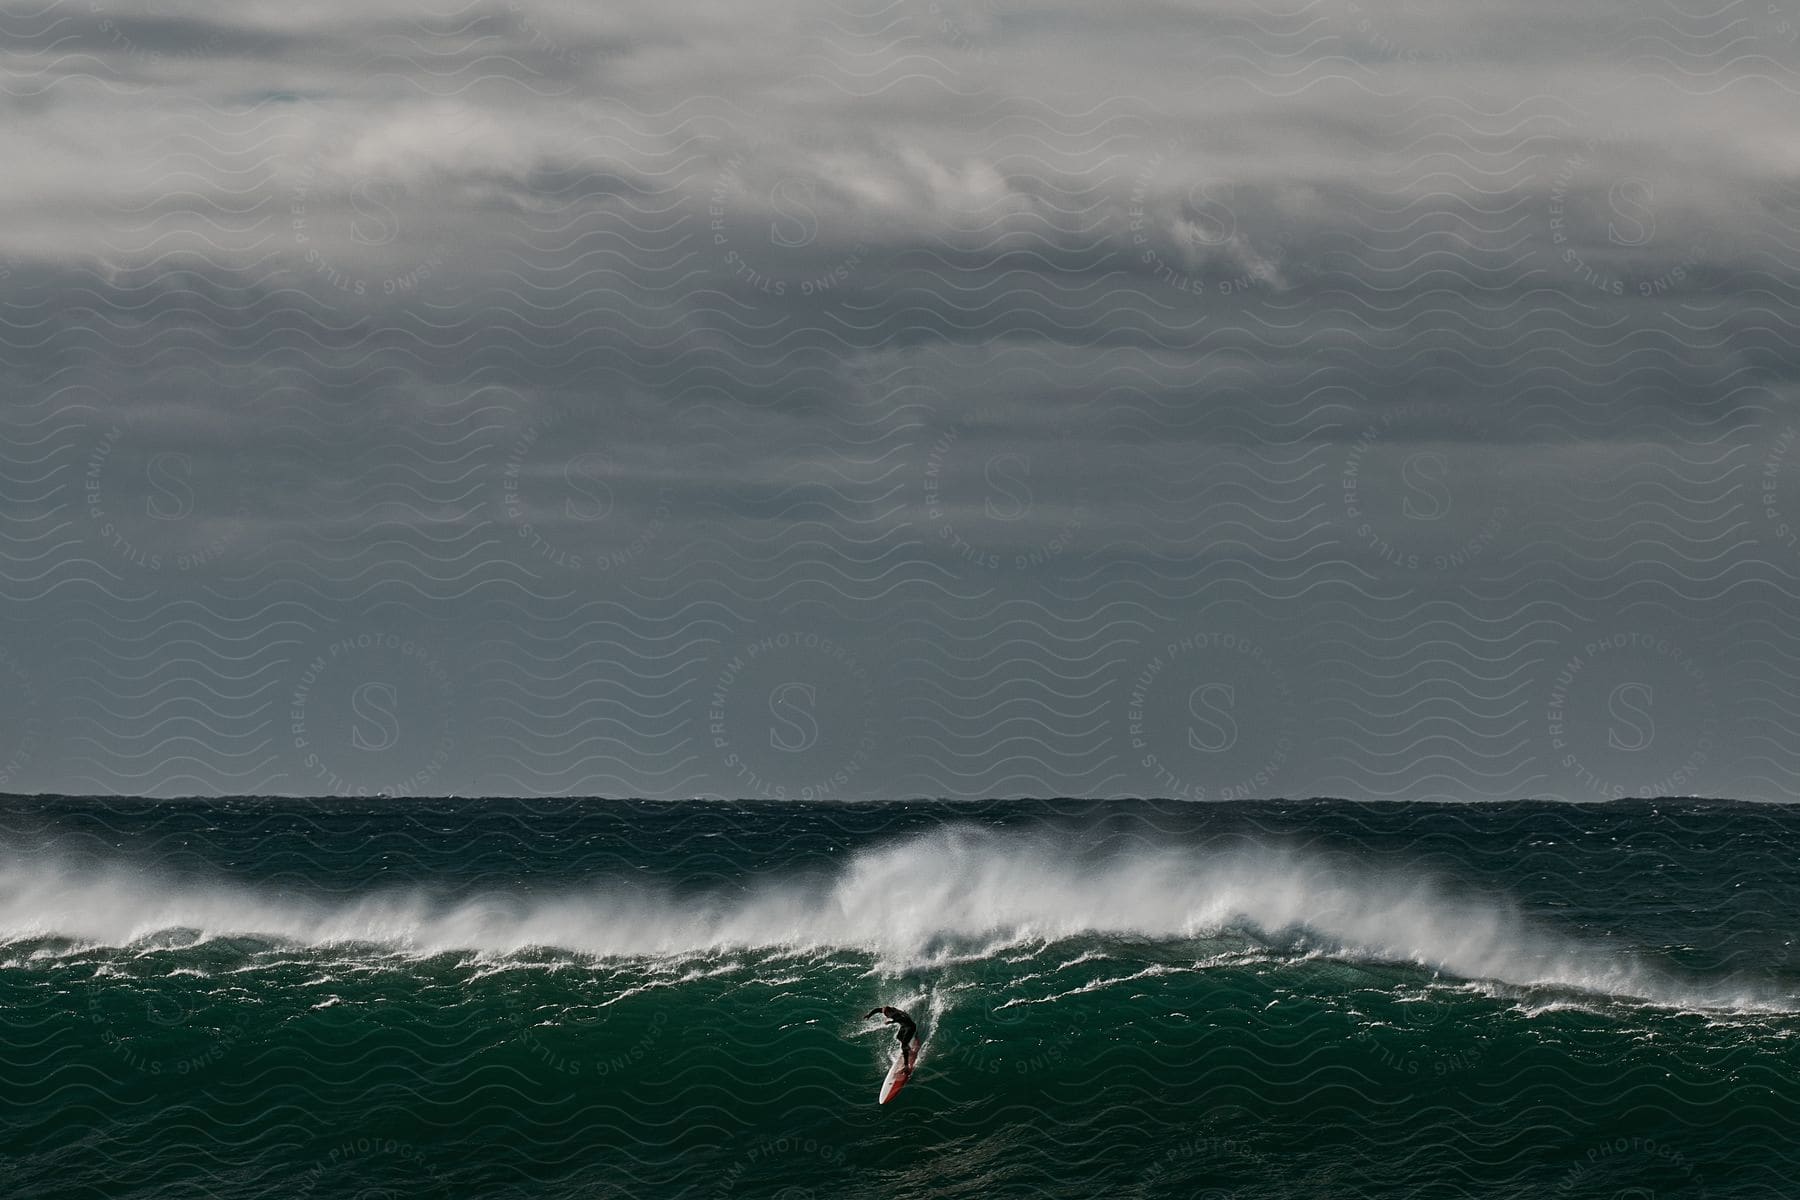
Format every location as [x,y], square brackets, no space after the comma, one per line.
[1196,400]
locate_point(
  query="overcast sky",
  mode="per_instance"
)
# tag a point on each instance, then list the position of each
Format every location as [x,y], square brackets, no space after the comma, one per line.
[1375,398]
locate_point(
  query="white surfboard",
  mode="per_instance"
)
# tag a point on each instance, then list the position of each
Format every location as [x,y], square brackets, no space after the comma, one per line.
[899,1073]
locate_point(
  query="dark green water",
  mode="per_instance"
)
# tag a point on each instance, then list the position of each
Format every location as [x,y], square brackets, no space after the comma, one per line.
[277,998]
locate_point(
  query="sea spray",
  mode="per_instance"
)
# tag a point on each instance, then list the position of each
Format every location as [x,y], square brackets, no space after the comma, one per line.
[920,902]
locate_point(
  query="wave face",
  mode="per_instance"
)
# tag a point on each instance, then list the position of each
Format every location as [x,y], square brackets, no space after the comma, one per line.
[548,998]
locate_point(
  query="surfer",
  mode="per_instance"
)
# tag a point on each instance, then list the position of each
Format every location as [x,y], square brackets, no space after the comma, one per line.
[906,1035]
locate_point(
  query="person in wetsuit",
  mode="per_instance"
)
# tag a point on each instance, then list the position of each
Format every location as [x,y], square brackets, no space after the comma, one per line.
[906,1034]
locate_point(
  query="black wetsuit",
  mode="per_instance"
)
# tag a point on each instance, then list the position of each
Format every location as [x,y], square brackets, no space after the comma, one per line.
[906,1034]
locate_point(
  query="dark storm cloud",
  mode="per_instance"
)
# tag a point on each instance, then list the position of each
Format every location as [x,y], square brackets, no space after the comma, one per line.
[1007,345]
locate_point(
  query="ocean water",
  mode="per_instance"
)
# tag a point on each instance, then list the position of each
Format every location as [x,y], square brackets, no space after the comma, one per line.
[214,1000]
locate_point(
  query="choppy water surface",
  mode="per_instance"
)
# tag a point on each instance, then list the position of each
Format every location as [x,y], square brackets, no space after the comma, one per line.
[270,998]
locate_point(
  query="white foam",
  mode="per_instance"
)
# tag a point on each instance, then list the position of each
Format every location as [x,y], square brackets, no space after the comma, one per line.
[930,899]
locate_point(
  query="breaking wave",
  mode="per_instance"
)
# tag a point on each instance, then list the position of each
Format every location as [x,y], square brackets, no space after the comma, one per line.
[926,900]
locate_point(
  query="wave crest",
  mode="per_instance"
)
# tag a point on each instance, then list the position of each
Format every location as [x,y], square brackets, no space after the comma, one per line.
[918,902]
